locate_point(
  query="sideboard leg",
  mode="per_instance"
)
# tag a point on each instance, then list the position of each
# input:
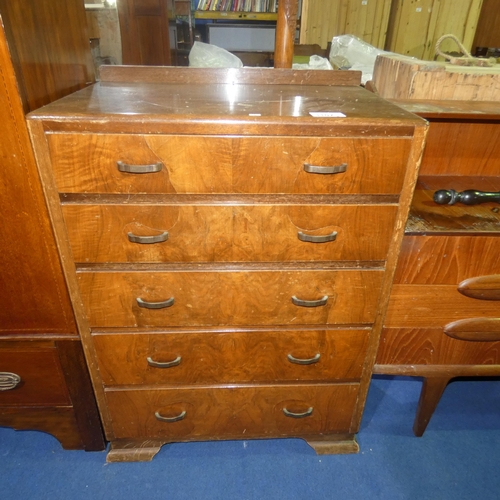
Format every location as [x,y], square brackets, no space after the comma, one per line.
[432,390]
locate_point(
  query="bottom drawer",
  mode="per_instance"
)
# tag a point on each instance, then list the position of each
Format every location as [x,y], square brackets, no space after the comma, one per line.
[232,413]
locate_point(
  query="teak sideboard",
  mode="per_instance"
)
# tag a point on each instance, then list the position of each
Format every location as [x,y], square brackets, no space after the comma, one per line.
[443,320]
[229,251]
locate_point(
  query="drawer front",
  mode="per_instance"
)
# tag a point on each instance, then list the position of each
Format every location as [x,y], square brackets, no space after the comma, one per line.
[447,260]
[211,358]
[228,413]
[194,164]
[191,233]
[417,306]
[430,346]
[35,376]
[229,298]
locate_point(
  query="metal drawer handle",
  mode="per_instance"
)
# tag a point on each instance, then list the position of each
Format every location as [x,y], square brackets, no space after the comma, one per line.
[309,303]
[170,419]
[158,238]
[9,381]
[298,415]
[317,239]
[155,305]
[299,361]
[139,169]
[316,169]
[164,364]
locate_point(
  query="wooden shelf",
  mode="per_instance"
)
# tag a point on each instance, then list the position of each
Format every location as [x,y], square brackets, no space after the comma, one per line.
[237,16]
[427,217]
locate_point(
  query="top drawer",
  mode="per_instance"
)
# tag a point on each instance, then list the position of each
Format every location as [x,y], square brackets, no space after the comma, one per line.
[87,163]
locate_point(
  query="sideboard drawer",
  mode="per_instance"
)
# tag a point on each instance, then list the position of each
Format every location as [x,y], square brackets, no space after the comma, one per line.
[180,298]
[237,412]
[35,376]
[246,356]
[201,233]
[446,260]
[431,346]
[434,306]
[210,164]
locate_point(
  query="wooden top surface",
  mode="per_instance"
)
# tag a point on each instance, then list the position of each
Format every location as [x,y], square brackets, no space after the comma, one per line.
[459,110]
[191,101]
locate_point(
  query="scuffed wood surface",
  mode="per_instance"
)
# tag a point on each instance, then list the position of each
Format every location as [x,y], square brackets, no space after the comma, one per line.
[398,77]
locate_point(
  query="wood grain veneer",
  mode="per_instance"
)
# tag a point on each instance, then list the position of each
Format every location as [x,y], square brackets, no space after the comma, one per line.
[237,233]
[225,298]
[236,292]
[192,164]
[230,412]
[225,357]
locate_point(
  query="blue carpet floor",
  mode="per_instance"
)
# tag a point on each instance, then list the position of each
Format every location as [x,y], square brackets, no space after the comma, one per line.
[457,458]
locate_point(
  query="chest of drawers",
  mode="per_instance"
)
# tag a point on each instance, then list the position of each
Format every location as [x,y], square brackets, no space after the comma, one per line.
[230,256]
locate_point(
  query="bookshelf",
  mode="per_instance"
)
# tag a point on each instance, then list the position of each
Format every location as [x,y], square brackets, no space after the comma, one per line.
[236,16]
[236,6]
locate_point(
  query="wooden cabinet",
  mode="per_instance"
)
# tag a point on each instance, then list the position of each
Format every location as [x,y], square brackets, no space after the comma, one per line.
[44,381]
[443,317]
[229,255]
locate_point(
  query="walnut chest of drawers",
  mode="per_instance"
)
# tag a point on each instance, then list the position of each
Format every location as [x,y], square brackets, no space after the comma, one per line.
[229,255]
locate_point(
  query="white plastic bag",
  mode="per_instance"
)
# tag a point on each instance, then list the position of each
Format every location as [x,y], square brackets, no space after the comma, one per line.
[205,55]
[315,62]
[350,52]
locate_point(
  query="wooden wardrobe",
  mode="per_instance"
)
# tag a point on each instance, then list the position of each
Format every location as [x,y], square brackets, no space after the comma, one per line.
[44,381]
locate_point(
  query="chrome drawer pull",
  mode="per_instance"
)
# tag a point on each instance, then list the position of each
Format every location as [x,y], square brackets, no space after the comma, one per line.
[164,364]
[298,415]
[170,419]
[147,240]
[310,303]
[317,239]
[139,169]
[316,169]
[155,305]
[9,381]
[299,361]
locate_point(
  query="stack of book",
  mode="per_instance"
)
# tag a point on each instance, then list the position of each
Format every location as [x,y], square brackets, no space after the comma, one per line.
[237,5]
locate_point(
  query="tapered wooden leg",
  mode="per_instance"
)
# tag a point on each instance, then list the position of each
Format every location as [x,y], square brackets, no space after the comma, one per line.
[432,390]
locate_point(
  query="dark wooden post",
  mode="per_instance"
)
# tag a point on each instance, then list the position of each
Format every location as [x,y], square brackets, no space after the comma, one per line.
[285,33]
